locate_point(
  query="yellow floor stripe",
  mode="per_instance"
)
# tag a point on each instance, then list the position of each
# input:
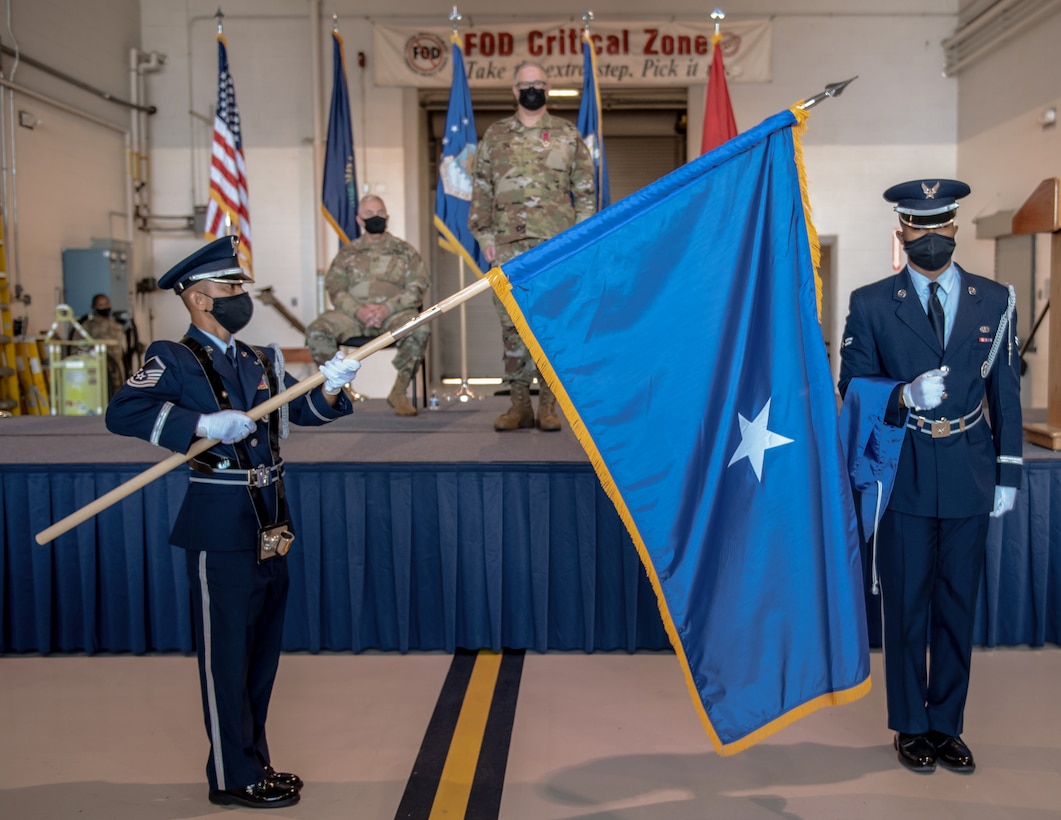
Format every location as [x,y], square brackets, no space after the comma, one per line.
[451,799]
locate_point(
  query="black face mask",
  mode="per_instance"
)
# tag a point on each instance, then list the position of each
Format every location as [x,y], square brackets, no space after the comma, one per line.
[532,98]
[233,312]
[931,251]
[376,224]
[104,312]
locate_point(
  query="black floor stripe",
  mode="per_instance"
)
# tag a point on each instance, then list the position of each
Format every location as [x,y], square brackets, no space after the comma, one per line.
[484,803]
[427,770]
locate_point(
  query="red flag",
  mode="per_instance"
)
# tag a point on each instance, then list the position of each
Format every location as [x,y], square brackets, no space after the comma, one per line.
[719,125]
[227,211]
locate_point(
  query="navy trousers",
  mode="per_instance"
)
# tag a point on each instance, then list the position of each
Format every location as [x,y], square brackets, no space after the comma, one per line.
[930,570]
[238,606]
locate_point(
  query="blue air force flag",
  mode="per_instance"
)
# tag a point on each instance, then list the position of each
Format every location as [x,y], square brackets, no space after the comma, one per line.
[454,192]
[679,330]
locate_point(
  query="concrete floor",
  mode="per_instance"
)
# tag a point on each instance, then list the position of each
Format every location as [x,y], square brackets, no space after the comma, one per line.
[606,735]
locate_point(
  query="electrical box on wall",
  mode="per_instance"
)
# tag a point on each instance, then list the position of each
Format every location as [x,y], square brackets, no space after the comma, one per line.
[103,268]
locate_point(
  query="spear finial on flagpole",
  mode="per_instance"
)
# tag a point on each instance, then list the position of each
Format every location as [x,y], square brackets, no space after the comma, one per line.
[219,17]
[831,90]
[335,21]
[587,18]
[718,16]
[455,17]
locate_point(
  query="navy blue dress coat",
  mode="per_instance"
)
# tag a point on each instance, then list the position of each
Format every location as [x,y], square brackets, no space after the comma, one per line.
[162,403]
[888,335]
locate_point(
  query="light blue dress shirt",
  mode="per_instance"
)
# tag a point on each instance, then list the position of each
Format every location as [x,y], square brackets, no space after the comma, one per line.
[949,282]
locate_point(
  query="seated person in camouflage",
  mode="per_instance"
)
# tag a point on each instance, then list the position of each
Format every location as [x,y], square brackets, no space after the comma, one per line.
[102,327]
[376,284]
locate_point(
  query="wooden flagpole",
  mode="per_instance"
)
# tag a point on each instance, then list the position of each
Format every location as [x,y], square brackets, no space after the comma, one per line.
[137,482]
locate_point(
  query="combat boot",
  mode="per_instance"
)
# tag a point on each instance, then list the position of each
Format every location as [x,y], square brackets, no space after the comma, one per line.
[521,413]
[548,419]
[397,398]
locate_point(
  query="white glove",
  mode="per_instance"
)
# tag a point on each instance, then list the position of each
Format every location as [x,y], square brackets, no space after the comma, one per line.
[926,391]
[226,426]
[338,372]
[1004,498]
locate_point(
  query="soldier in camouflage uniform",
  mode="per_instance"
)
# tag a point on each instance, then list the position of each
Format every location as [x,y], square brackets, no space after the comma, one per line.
[533,179]
[376,284]
[101,326]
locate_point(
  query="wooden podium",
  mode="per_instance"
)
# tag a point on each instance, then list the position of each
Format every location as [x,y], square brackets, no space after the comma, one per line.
[1041,213]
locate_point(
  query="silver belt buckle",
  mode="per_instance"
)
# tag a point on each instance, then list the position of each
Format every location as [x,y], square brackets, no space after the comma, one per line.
[259,476]
[940,429]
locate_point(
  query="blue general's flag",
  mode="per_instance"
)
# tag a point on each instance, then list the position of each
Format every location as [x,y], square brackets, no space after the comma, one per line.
[339,189]
[679,331]
[589,120]
[454,192]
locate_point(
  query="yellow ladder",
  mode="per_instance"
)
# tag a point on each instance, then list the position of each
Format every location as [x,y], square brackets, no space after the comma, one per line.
[22,386]
[10,400]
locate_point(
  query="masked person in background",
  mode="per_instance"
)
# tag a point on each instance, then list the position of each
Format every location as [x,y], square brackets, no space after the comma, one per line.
[101,325]
[376,284]
[533,179]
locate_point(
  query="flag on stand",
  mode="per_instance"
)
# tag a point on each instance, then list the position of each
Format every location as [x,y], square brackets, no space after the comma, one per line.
[339,188]
[589,120]
[453,195]
[719,124]
[691,366]
[228,211]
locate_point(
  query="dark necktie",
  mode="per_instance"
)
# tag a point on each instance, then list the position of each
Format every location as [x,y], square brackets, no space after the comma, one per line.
[230,351]
[935,313]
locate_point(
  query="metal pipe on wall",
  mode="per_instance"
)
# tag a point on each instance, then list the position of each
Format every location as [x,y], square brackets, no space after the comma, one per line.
[12,89]
[74,81]
[320,255]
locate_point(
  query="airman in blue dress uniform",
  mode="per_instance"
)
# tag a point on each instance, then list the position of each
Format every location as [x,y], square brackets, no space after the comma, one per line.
[943,339]
[233,524]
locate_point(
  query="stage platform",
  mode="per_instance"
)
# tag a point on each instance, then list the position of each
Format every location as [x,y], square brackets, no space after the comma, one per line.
[425,533]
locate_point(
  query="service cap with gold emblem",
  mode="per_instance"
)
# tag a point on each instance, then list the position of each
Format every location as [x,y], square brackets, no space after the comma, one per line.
[218,262]
[927,203]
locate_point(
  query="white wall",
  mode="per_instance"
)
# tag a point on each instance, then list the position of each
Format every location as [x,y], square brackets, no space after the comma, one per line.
[1004,153]
[63,180]
[876,134]
[899,120]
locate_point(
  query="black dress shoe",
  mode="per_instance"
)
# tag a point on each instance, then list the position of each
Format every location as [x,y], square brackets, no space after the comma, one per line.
[263,795]
[952,753]
[916,752]
[283,778]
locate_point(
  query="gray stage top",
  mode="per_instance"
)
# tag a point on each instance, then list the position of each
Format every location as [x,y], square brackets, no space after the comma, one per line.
[455,433]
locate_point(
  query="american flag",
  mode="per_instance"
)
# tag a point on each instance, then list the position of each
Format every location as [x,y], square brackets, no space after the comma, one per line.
[228,211]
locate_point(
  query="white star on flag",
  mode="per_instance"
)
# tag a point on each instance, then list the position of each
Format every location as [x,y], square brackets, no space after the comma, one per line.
[756,439]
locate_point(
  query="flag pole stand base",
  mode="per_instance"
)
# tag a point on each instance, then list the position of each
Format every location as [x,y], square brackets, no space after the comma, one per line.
[353,395]
[463,393]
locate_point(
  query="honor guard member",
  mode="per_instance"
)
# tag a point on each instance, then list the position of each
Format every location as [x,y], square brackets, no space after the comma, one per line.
[937,345]
[234,524]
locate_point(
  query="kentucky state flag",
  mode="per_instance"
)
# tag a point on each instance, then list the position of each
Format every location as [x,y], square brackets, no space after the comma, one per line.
[679,331]
[339,188]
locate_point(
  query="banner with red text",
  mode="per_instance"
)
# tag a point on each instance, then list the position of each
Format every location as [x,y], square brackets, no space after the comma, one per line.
[628,53]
